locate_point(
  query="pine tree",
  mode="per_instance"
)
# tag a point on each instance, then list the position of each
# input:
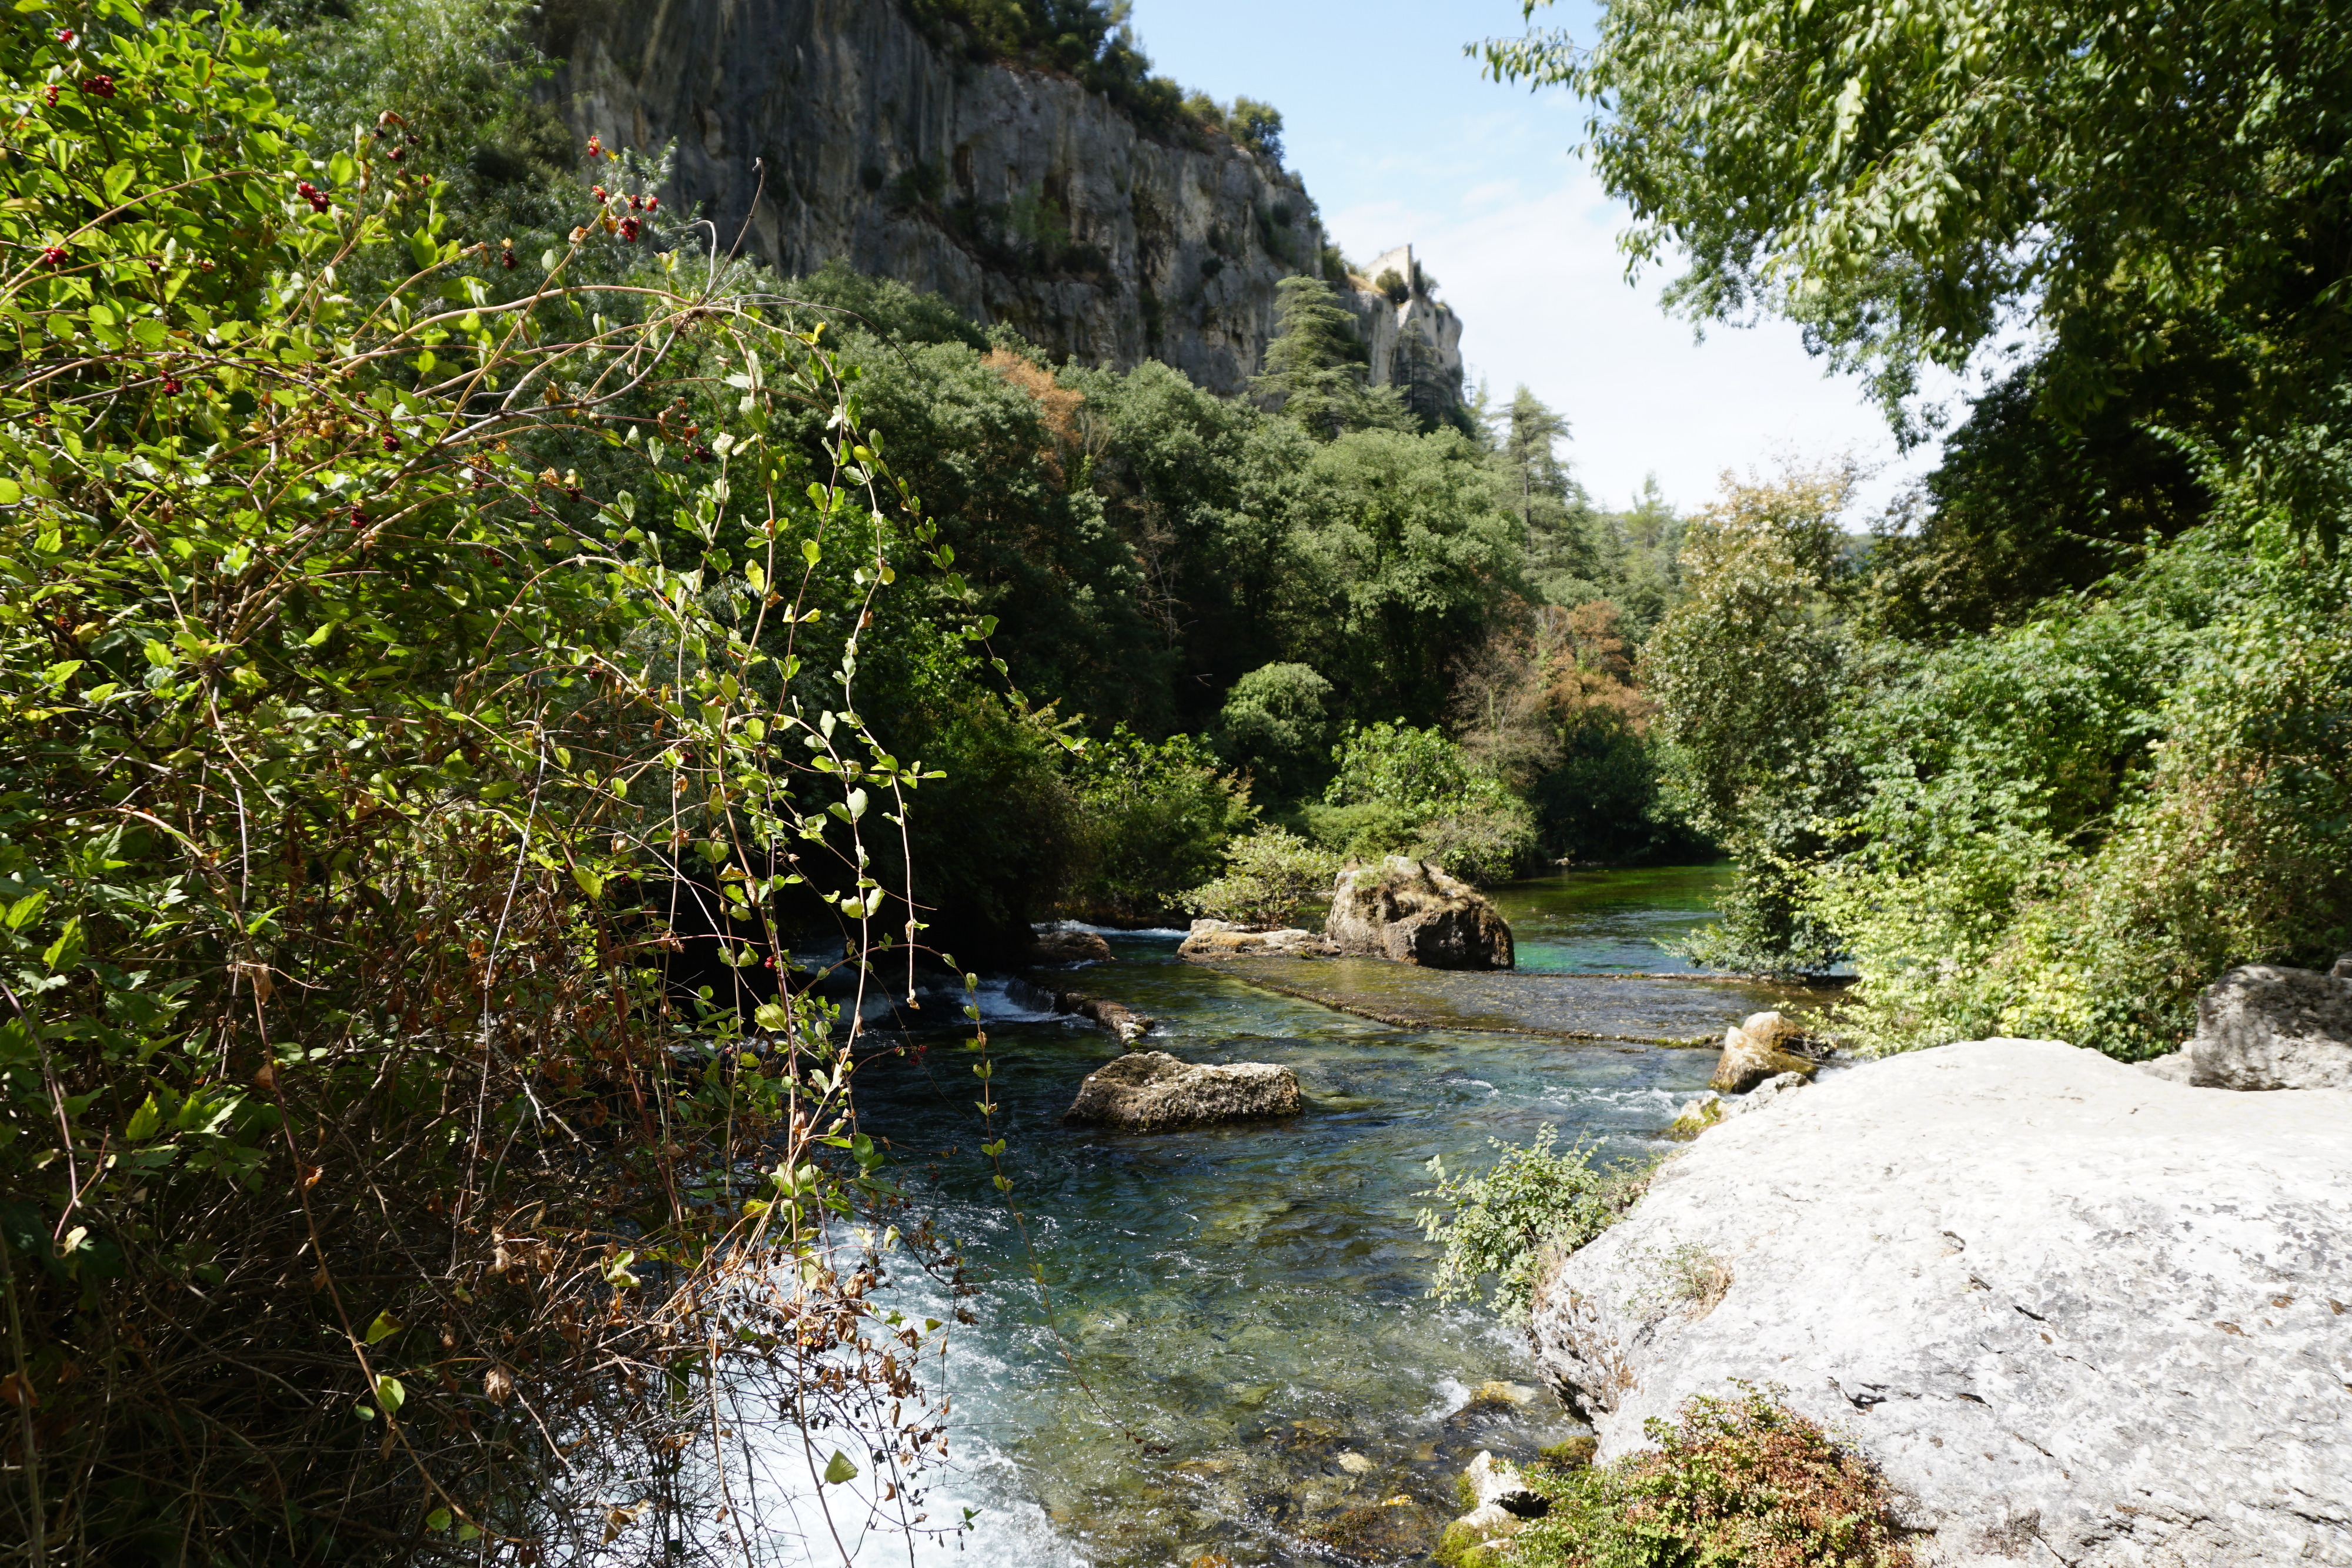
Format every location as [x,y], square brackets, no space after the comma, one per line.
[1315,366]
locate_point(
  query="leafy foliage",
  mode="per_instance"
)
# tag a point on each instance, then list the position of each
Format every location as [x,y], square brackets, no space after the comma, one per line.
[1269,878]
[1531,1206]
[366,772]
[2150,185]
[1154,819]
[1741,1480]
[1276,721]
[1400,787]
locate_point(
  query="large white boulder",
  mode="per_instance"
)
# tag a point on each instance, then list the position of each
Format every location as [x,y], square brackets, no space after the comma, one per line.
[1151,1091]
[2076,1312]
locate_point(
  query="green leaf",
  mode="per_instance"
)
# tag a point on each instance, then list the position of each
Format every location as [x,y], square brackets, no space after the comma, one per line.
[770,1015]
[439,1519]
[384,1328]
[23,913]
[590,883]
[839,1470]
[810,553]
[66,951]
[390,1393]
[145,1120]
[10,492]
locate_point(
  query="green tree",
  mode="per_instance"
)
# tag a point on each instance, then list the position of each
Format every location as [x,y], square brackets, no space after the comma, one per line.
[1314,365]
[2147,184]
[1566,563]
[1257,125]
[1277,722]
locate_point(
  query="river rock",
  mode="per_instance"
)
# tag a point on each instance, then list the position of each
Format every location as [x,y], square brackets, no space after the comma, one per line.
[1214,939]
[1499,1482]
[1125,1025]
[1413,913]
[2074,1313]
[1757,1049]
[1151,1091]
[1065,947]
[2267,1027]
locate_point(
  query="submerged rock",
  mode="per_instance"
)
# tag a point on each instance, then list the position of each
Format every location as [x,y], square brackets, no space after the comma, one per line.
[2071,1312]
[1151,1091]
[1413,913]
[2267,1027]
[1757,1049]
[1213,939]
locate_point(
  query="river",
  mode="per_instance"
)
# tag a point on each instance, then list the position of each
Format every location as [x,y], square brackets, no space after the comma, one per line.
[1234,1360]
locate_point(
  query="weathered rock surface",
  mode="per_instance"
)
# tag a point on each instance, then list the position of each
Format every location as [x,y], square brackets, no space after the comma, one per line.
[1125,1024]
[1758,1049]
[1411,912]
[2076,1314]
[1151,1091]
[1069,947]
[2266,1027]
[836,128]
[1214,939]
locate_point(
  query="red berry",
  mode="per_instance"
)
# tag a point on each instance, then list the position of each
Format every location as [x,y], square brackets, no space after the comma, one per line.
[391,442]
[66,36]
[101,86]
[595,147]
[53,255]
[597,192]
[171,386]
[629,227]
[50,93]
[636,204]
[397,154]
[506,259]
[652,202]
[358,517]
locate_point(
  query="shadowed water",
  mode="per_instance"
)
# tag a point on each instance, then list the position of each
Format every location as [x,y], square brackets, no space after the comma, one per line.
[1240,1362]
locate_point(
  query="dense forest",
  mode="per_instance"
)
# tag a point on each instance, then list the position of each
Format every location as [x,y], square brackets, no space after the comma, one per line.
[438,585]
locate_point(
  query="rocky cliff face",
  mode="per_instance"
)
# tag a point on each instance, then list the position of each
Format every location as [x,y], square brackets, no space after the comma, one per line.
[833,128]
[1414,338]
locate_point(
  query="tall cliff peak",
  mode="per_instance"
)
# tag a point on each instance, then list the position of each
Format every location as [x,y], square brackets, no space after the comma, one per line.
[1414,338]
[825,130]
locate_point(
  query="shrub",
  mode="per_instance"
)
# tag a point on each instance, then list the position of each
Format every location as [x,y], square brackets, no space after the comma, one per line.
[1269,877]
[1532,1205]
[1402,787]
[1152,820]
[1391,283]
[1742,1481]
[349,747]
[1276,722]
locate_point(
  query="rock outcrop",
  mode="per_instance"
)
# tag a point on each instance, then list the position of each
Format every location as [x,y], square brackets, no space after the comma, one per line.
[1755,1049]
[2265,1027]
[1213,939]
[1151,1091]
[1411,912]
[836,128]
[2075,1313]
[1413,339]
[1065,947]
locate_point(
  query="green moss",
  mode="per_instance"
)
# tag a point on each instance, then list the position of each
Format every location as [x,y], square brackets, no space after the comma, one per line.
[1691,1123]
[1569,1453]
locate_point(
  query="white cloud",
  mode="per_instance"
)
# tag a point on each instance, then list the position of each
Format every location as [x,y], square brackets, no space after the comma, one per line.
[1540,285]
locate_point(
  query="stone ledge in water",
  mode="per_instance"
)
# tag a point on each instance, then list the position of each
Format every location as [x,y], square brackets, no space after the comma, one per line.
[1213,939]
[2073,1312]
[1411,912]
[1125,1025]
[1151,1091]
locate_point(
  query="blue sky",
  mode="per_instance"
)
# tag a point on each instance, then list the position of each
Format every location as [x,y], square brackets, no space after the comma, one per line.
[1401,140]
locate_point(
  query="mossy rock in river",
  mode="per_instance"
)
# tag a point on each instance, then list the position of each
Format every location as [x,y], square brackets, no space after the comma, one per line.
[1394,1529]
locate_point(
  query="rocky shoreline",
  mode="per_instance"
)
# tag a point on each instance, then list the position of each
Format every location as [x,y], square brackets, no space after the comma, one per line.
[2071,1311]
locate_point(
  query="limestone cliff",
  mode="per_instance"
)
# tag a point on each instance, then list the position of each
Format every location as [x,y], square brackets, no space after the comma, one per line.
[1414,338]
[834,129]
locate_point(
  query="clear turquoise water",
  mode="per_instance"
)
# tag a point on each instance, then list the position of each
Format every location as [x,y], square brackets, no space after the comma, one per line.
[1234,1350]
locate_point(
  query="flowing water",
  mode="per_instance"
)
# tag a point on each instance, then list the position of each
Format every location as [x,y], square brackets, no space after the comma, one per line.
[1233,1359]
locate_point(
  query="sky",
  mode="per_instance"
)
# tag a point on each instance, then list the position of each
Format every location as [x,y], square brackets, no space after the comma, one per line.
[1402,140]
